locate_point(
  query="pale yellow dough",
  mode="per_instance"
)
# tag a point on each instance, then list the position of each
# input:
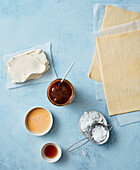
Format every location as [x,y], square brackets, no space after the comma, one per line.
[113,16]
[119,58]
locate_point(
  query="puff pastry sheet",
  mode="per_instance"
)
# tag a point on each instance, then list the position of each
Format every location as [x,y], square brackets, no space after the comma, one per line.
[119,58]
[113,16]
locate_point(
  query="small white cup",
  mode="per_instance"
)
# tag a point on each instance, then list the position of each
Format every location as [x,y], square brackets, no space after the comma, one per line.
[56,158]
[42,133]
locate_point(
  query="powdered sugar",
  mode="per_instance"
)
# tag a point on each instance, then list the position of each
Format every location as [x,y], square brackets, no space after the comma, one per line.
[88,119]
[99,133]
[84,153]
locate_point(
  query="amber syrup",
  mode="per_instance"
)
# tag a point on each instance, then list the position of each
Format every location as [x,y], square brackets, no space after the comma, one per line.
[50,151]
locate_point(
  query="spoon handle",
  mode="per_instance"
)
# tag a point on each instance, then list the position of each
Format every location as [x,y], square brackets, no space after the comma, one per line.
[67,71]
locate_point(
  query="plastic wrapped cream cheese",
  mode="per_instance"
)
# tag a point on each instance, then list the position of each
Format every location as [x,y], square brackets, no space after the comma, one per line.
[29,65]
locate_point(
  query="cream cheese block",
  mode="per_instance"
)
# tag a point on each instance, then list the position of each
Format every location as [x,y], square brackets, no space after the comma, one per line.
[29,65]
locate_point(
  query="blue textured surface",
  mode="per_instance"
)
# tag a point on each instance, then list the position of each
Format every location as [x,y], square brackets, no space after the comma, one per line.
[68,25]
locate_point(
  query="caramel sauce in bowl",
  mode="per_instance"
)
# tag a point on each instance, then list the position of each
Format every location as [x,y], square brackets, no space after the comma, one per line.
[38,121]
[61,94]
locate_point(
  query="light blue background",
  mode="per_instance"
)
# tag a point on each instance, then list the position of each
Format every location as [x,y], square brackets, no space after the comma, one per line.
[68,25]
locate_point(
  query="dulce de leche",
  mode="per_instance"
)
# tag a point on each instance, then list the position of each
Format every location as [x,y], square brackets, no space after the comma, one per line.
[61,93]
[38,120]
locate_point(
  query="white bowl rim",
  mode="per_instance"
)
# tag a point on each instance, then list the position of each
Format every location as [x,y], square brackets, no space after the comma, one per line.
[42,133]
[51,160]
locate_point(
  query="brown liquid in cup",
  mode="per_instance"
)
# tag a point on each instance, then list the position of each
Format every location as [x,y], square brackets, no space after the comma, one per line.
[60,93]
[51,151]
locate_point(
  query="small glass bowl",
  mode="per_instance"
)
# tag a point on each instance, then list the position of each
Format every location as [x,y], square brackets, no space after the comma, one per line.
[71,97]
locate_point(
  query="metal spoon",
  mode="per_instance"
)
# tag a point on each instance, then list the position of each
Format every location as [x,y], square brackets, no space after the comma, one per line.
[89,138]
[67,72]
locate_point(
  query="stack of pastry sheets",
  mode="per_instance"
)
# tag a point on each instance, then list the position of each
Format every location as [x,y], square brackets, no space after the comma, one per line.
[117,63]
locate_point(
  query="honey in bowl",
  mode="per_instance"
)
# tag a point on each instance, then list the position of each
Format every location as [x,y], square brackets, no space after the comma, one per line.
[61,93]
[50,151]
[38,120]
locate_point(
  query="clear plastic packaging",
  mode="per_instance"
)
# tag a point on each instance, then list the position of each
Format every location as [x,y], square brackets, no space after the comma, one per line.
[50,75]
[99,10]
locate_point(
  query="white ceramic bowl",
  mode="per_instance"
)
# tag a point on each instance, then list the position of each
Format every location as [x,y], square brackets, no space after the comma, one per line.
[38,134]
[51,160]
